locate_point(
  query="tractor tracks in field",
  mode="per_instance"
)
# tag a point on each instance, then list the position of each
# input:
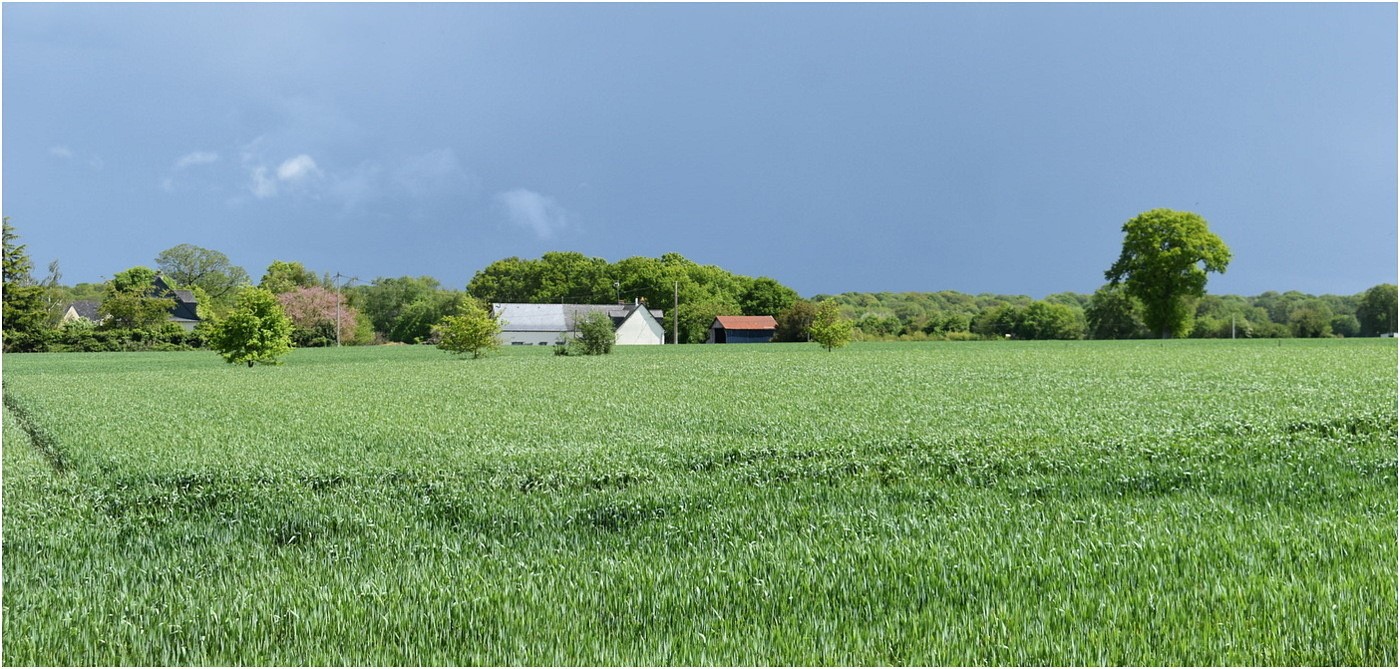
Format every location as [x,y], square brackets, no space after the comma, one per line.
[38,436]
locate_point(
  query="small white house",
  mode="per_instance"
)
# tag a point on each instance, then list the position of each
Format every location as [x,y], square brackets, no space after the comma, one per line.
[545,324]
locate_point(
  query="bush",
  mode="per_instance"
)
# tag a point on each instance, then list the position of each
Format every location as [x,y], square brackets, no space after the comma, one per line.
[84,337]
[473,331]
[596,336]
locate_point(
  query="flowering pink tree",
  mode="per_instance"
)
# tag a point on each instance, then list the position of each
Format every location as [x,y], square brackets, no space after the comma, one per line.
[313,312]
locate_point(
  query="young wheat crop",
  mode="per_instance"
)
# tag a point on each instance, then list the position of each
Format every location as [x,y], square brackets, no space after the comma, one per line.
[1183,503]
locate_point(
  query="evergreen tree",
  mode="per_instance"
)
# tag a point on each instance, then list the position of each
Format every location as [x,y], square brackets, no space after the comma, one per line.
[24,313]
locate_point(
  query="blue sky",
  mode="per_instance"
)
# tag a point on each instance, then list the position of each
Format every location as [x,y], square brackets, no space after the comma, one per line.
[979,148]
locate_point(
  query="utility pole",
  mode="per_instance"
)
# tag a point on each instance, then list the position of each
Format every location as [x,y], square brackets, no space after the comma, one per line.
[1232,326]
[676,316]
[338,277]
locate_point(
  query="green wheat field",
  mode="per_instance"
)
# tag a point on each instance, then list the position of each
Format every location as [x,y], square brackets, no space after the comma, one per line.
[948,503]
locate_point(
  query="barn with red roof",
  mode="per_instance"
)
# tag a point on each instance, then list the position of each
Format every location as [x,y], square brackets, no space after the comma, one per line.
[742,330]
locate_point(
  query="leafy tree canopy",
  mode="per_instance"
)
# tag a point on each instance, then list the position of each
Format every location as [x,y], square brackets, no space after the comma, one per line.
[473,330]
[405,308]
[130,301]
[256,332]
[284,276]
[829,328]
[766,297]
[1166,255]
[793,322]
[1311,319]
[1113,314]
[189,266]
[1377,310]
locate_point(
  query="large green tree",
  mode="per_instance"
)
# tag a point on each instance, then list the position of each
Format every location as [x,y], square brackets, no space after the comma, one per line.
[256,332]
[1166,255]
[190,266]
[793,322]
[767,297]
[997,321]
[285,276]
[1050,320]
[1311,319]
[25,313]
[1376,312]
[405,308]
[1112,314]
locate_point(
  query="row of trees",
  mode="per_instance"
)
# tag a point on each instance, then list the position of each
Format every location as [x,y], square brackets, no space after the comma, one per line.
[1156,288]
[1110,313]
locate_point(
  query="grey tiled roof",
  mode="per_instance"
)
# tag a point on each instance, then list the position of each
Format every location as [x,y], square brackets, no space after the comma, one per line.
[85,309]
[557,317]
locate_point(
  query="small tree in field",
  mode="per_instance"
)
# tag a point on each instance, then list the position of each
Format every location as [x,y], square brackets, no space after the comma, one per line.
[828,327]
[257,331]
[473,330]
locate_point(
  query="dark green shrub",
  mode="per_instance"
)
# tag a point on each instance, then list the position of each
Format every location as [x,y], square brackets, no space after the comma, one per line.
[596,335]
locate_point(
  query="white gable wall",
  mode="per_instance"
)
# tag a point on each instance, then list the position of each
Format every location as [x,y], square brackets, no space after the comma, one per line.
[640,328]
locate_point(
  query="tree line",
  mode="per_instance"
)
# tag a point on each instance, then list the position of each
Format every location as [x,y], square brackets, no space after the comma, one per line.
[1109,313]
[1156,288]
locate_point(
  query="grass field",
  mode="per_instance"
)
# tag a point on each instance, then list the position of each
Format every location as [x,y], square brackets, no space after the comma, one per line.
[991,503]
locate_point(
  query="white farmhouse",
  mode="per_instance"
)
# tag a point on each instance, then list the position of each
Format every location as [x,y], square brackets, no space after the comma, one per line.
[545,324]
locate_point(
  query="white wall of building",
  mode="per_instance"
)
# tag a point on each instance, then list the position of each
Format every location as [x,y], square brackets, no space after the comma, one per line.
[529,338]
[640,328]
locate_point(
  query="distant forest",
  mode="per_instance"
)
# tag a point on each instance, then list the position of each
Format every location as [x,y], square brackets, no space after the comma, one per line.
[1109,314]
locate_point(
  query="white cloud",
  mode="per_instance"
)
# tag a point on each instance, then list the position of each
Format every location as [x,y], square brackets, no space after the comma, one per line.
[291,174]
[61,151]
[297,168]
[539,213]
[196,158]
[263,185]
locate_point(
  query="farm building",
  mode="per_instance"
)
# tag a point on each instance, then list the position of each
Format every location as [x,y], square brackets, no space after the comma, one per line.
[742,330]
[544,324]
[184,312]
